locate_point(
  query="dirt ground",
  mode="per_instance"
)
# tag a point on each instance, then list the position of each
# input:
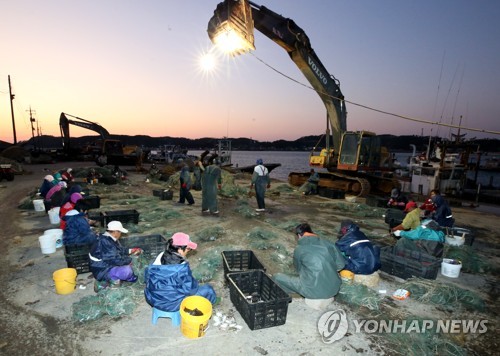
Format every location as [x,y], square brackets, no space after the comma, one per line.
[36,320]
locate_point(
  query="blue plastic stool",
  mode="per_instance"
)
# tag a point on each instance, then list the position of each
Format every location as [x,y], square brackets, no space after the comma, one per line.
[174,316]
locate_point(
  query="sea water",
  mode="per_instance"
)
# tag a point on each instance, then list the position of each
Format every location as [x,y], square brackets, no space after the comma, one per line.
[298,161]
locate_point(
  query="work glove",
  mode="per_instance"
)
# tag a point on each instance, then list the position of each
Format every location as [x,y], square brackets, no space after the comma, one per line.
[397,233]
[184,185]
[136,251]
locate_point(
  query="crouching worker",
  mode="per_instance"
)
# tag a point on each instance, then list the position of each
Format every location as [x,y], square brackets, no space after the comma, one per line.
[361,256]
[169,279]
[110,262]
[77,228]
[317,262]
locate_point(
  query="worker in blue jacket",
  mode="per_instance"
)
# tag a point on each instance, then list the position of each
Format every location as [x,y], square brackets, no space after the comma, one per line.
[169,279]
[442,215]
[110,262]
[77,228]
[360,254]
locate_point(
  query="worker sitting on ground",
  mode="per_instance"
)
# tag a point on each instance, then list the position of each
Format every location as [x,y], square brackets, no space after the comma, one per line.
[412,218]
[48,182]
[361,256]
[426,238]
[68,206]
[317,262]
[397,200]
[77,229]
[110,262]
[169,279]
[311,185]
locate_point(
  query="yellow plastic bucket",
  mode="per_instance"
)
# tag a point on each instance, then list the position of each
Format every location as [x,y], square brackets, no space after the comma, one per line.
[65,280]
[193,326]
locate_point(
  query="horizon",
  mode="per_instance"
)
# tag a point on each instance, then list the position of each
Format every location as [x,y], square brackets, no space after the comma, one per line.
[134,68]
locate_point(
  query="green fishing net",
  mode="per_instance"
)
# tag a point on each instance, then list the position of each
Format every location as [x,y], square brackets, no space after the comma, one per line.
[358,295]
[208,263]
[258,233]
[210,233]
[471,261]
[445,295]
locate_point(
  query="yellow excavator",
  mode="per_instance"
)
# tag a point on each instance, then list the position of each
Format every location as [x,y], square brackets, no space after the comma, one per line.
[356,161]
[104,150]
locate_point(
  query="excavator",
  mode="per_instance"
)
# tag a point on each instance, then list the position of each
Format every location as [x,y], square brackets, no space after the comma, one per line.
[104,151]
[356,161]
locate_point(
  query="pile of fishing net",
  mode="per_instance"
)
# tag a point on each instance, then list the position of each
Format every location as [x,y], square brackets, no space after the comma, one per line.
[210,233]
[358,295]
[419,343]
[445,295]
[471,261]
[244,209]
[358,210]
[114,301]
[208,263]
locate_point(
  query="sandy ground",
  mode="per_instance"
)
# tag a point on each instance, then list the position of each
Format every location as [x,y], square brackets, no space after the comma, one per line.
[36,320]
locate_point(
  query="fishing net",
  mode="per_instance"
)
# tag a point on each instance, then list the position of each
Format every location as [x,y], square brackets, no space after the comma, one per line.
[258,233]
[111,301]
[357,210]
[417,342]
[244,209]
[211,233]
[358,295]
[282,188]
[445,295]
[471,261]
[208,264]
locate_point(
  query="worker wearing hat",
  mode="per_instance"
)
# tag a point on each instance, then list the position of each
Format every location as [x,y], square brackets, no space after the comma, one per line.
[412,218]
[110,262]
[169,279]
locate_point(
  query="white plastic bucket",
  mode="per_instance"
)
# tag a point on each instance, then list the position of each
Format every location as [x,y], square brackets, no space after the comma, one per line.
[54,215]
[57,234]
[47,244]
[38,204]
[451,268]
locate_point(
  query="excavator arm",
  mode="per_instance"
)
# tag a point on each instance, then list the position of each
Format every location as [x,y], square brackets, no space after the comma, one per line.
[64,123]
[235,15]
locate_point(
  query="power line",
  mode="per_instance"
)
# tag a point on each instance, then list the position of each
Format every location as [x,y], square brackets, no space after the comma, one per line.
[429,122]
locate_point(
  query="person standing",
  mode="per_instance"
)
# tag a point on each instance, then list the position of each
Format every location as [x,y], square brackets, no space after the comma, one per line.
[211,182]
[110,262]
[197,171]
[261,181]
[317,262]
[185,181]
[169,279]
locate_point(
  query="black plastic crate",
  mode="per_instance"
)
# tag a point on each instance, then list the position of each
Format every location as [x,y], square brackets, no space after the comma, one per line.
[163,194]
[77,249]
[77,257]
[405,263]
[331,193]
[151,245]
[92,201]
[124,216]
[260,301]
[239,261]
[79,262]
[96,216]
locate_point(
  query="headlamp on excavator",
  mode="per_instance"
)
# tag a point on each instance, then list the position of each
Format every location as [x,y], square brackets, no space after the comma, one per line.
[231,27]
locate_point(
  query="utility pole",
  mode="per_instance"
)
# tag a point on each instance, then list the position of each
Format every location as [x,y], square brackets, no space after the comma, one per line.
[32,120]
[12,96]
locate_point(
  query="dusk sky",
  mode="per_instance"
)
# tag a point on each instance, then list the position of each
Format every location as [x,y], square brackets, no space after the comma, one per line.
[133,67]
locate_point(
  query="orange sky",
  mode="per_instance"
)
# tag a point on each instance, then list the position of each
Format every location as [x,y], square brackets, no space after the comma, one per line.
[134,68]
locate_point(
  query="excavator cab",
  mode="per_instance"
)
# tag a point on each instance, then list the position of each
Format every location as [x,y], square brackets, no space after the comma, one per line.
[359,151]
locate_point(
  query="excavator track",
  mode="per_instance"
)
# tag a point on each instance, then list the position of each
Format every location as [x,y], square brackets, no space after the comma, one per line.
[364,184]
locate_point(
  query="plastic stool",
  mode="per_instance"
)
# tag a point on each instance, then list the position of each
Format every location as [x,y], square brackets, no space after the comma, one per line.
[174,316]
